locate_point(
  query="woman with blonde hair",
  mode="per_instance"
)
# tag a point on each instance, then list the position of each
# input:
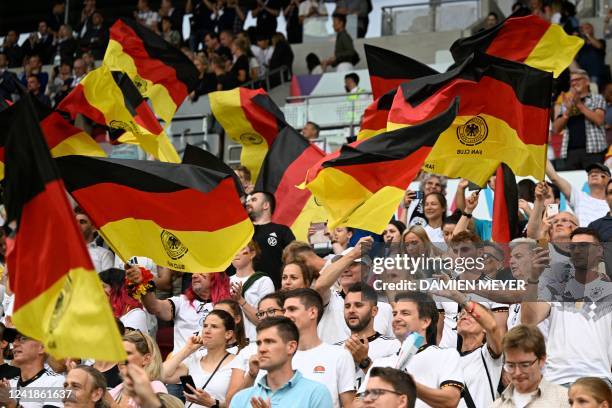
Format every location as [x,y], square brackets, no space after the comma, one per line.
[143,352]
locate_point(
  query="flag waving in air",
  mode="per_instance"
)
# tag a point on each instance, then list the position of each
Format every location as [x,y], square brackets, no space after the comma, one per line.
[59,299]
[361,185]
[62,138]
[388,70]
[283,170]
[185,217]
[250,118]
[110,98]
[527,39]
[160,71]
[503,117]
[505,226]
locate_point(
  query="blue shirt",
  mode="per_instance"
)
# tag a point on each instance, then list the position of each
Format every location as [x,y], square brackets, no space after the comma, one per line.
[297,392]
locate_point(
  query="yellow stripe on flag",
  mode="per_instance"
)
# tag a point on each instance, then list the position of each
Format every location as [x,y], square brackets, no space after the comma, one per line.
[555,51]
[228,110]
[79,144]
[368,133]
[117,60]
[349,203]
[76,319]
[309,214]
[125,236]
[477,163]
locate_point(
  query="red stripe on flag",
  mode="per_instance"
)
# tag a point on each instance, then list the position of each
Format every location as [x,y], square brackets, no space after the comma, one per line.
[262,121]
[518,37]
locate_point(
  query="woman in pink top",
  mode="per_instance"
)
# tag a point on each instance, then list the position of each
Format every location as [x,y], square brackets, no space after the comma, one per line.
[143,352]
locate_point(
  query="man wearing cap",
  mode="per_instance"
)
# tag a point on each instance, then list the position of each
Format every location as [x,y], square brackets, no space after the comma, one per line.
[346,270]
[603,225]
[29,355]
[587,207]
[271,237]
[581,119]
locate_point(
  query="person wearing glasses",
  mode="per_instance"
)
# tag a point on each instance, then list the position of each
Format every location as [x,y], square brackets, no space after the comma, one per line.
[29,356]
[524,360]
[591,206]
[388,387]
[578,309]
[270,305]
[466,245]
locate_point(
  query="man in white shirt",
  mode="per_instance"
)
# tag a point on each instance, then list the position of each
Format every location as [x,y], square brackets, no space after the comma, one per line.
[578,310]
[437,372]
[330,365]
[29,355]
[346,270]
[365,343]
[101,257]
[525,358]
[588,207]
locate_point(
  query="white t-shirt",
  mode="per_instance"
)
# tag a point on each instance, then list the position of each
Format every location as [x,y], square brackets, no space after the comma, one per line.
[451,312]
[379,346]
[136,319]
[514,319]
[478,380]
[578,343]
[260,288]
[241,362]
[217,386]
[101,258]
[329,365]
[431,366]
[332,328]
[587,208]
[521,400]
[188,318]
[47,380]
[436,236]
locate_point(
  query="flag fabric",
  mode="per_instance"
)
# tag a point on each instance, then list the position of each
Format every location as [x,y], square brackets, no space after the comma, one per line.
[388,70]
[505,225]
[361,185]
[251,119]
[161,71]
[203,158]
[527,39]
[110,98]
[62,138]
[283,169]
[59,299]
[503,117]
[184,217]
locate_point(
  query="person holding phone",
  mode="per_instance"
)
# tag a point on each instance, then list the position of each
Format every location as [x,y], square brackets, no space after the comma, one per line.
[205,380]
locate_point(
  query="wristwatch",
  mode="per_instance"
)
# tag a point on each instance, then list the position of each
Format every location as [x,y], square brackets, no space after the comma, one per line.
[365,363]
[466,214]
[216,404]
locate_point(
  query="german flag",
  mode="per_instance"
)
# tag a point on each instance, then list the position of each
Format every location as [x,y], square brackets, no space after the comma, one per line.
[203,158]
[361,185]
[110,98]
[388,70]
[161,72]
[184,217]
[527,39]
[505,226]
[58,297]
[251,119]
[503,117]
[282,171]
[62,138]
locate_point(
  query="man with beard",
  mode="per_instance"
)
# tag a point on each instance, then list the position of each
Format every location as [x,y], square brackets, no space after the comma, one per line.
[85,387]
[365,343]
[271,237]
